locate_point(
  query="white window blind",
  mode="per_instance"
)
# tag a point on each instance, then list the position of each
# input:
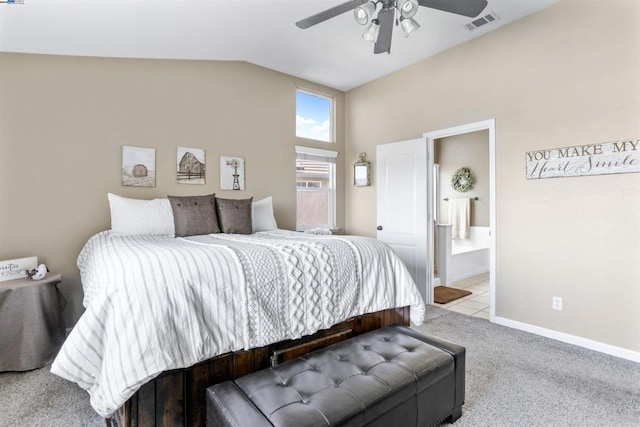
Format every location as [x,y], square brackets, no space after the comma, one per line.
[316,154]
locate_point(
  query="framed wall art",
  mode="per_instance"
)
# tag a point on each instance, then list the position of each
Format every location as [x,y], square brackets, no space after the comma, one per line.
[190,167]
[138,166]
[231,173]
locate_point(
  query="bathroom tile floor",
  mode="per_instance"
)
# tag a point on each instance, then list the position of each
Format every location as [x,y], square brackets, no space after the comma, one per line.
[476,304]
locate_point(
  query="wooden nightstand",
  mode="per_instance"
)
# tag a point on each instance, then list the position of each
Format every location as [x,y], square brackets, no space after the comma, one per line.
[31,324]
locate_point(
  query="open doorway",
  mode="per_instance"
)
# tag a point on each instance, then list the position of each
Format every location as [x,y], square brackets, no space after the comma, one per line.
[468,261]
[461,213]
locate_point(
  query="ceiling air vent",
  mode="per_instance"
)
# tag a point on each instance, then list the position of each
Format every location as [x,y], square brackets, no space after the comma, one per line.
[483,20]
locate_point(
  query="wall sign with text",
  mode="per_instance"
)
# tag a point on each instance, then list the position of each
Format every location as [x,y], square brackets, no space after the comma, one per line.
[594,159]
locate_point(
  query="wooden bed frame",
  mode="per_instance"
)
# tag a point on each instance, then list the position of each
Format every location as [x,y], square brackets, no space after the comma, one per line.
[177,397]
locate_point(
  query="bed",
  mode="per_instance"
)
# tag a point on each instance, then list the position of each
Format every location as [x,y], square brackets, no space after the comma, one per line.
[165,317]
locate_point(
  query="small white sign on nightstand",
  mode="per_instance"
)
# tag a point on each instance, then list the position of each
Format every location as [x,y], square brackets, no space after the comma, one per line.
[15,268]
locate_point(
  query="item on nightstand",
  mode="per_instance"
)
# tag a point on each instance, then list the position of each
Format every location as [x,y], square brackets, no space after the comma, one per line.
[17,268]
[38,273]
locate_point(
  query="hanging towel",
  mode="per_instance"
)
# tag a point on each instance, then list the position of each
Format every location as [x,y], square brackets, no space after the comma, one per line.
[460,217]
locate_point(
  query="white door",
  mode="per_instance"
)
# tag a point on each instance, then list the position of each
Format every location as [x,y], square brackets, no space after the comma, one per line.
[402,191]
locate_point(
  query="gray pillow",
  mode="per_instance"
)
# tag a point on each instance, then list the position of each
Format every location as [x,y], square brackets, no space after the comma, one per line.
[193,215]
[234,215]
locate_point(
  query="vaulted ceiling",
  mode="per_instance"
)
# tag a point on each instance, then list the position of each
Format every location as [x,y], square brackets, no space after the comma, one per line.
[261,32]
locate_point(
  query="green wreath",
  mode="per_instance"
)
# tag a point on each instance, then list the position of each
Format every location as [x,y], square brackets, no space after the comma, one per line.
[462,180]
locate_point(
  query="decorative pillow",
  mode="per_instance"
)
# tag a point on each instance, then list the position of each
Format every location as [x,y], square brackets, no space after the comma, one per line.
[262,218]
[135,216]
[194,215]
[234,215]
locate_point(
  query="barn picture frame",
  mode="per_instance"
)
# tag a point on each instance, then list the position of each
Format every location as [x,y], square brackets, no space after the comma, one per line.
[190,166]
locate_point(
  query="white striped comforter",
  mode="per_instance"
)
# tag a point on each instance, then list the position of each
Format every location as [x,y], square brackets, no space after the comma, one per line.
[155,303]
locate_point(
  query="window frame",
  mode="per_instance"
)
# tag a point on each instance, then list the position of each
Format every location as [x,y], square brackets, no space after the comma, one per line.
[329,157]
[332,115]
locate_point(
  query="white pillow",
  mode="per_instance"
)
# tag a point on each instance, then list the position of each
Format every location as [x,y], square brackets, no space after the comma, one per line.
[262,218]
[135,216]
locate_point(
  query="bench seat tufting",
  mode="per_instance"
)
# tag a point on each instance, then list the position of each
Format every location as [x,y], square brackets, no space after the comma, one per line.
[390,376]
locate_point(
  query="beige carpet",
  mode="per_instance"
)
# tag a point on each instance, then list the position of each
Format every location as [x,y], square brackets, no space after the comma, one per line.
[513,379]
[445,294]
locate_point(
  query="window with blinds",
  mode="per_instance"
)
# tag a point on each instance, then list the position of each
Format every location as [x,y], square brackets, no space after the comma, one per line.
[315,188]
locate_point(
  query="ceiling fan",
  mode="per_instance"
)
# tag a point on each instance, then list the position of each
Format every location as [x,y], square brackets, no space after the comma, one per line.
[380,14]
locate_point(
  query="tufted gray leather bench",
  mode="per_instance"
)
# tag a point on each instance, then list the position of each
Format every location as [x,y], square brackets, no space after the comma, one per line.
[393,376]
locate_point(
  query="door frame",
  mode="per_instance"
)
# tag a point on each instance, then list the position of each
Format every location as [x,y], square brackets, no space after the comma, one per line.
[430,137]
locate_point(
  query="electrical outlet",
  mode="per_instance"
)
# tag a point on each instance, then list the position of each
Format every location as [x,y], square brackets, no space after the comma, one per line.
[556,303]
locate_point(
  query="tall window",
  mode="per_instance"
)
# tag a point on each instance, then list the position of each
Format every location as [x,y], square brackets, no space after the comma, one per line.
[315,188]
[314,116]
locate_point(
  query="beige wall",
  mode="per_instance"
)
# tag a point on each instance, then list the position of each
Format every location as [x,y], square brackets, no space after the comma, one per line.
[63,121]
[467,150]
[568,75]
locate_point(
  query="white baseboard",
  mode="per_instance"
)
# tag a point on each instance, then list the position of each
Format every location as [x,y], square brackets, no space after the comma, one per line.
[570,339]
[472,271]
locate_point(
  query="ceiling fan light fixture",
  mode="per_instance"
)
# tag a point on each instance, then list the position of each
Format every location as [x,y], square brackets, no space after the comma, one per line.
[407,8]
[409,26]
[364,12]
[380,16]
[372,31]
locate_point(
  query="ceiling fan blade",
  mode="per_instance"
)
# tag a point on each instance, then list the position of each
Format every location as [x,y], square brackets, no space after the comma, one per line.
[470,8]
[328,14]
[383,44]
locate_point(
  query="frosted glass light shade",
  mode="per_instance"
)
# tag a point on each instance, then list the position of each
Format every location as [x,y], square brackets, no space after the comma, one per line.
[371,33]
[408,8]
[364,13]
[409,26]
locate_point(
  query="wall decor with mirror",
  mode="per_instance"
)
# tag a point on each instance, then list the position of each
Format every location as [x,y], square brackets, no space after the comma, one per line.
[362,171]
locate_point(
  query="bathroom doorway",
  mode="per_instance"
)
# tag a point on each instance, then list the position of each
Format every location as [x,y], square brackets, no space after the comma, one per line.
[467,262]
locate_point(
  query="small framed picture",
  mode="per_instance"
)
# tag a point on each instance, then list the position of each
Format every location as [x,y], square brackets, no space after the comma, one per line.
[138,166]
[231,173]
[190,166]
